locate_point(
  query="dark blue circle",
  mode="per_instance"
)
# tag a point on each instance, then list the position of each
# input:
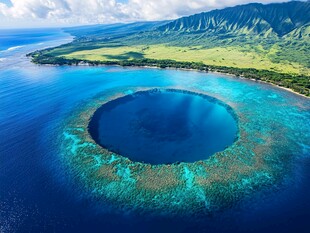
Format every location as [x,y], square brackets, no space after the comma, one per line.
[164,126]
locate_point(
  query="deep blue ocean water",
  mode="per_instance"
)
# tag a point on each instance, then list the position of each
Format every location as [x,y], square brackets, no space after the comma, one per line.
[37,196]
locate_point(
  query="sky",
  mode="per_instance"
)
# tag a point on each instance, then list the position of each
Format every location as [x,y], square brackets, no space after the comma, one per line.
[55,13]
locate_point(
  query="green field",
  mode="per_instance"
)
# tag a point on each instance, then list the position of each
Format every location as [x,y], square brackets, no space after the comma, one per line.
[241,57]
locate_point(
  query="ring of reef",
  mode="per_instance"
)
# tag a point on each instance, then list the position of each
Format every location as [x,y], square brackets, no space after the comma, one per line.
[164,126]
[185,188]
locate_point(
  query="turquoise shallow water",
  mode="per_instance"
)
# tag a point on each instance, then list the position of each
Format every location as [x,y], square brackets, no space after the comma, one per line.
[261,159]
[37,193]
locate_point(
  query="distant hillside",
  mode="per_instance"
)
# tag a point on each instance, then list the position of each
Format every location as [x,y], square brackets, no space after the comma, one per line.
[255,19]
[108,31]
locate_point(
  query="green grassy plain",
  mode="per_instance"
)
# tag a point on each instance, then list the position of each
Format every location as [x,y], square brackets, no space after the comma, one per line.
[234,56]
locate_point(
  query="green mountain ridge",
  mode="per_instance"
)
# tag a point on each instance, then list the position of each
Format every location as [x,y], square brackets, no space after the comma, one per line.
[256,19]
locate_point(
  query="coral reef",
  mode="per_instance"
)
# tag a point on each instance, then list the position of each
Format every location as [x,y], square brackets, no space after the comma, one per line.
[259,159]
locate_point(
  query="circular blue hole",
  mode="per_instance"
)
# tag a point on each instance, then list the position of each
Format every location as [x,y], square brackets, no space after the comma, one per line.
[164,126]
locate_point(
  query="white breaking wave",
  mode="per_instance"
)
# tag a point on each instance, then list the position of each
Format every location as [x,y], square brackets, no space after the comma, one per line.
[15,47]
[2,59]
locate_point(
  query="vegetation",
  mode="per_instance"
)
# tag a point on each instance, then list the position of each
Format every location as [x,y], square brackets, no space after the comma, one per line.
[237,56]
[297,83]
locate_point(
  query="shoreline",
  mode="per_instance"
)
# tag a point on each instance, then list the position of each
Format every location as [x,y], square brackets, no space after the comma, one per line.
[220,73]
[283,88]
[90,64]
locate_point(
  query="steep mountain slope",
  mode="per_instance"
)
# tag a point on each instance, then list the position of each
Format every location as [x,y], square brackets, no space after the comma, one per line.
[255,19]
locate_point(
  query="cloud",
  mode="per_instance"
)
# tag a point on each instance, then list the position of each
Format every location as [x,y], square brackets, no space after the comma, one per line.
[73,12]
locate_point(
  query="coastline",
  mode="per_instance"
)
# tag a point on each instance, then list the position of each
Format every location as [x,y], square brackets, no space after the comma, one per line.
[224,74]
[90,63]
[283,88]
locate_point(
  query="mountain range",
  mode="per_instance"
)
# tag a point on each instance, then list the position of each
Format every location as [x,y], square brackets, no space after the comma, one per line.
[256,19]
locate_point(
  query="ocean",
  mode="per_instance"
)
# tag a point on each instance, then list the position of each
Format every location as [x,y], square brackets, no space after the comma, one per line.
[36,192]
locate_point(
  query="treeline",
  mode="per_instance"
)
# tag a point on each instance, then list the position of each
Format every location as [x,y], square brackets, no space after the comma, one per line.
[298,83]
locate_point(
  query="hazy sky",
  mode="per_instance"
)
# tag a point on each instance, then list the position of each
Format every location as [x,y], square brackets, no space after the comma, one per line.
[43,13]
